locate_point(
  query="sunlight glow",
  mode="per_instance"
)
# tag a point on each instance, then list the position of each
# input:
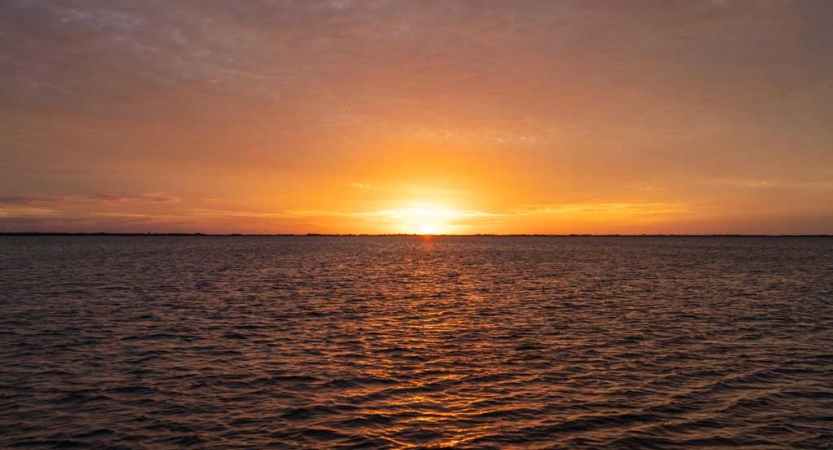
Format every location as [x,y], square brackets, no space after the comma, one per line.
[422,218]
[428,228]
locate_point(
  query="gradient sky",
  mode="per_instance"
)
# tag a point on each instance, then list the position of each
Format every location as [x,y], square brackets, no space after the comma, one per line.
[387,116]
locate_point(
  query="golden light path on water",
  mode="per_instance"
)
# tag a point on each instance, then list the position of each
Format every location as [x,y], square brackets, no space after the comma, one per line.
[417,341]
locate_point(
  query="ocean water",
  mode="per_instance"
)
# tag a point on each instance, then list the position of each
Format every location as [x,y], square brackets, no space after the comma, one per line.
[392,342]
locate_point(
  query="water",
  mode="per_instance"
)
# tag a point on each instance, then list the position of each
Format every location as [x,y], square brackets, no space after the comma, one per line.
[321,342]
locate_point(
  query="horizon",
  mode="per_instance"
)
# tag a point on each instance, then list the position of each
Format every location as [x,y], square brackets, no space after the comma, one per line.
[699,117]
[417,235]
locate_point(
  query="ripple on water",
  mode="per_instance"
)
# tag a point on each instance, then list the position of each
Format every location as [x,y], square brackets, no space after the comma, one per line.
[320,342]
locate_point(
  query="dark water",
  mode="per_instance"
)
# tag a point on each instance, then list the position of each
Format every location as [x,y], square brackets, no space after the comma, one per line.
[316,342]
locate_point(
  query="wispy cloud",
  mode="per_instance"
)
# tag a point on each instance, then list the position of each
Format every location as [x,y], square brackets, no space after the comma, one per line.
[129,215]
[600,211]
[22,201]
[88,198]
[811,183]
[608,209]
[203,212]
[143,198]
[26,211]
[61,207]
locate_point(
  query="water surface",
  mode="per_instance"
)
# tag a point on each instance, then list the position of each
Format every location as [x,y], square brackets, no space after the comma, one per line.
[362,342]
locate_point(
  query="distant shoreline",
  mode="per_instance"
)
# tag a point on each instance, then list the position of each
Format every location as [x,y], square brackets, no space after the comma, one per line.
[34,233]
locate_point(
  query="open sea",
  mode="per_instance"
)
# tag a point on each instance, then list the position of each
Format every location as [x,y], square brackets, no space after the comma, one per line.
[395,342]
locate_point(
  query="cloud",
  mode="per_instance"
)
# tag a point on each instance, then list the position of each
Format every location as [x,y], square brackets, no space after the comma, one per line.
[142,198]
[26,211]
[203,212]
[391,213]
[630,212]
[91,198]
[23,201]
[77,206]
[123,215]
[610,210]
[805,183]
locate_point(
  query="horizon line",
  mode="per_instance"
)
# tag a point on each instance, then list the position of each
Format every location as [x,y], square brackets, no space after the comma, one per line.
[197,234]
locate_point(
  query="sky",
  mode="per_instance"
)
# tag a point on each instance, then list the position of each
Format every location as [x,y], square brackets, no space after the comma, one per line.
[410,116]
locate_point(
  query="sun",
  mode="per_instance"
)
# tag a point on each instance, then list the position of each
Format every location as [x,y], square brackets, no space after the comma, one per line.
[424,218]
[427,228]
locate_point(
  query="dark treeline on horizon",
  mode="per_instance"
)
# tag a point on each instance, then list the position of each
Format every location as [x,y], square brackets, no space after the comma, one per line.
[151,234]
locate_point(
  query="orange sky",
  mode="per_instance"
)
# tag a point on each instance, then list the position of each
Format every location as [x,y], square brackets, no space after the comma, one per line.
[647,116]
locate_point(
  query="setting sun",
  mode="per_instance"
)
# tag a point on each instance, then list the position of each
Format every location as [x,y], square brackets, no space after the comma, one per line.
[422,218]
[428,228]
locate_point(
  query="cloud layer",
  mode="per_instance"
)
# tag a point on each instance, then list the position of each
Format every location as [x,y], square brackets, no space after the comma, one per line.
[256,109]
